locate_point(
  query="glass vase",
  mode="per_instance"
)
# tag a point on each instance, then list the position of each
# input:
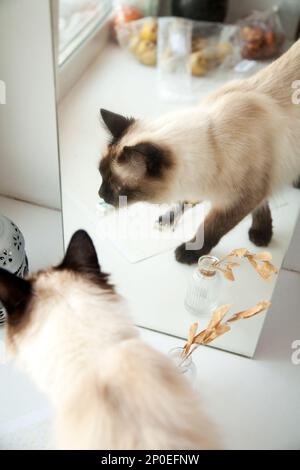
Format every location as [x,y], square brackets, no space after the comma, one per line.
[185,365]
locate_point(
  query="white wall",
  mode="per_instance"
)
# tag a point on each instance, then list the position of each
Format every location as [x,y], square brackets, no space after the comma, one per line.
[29,167]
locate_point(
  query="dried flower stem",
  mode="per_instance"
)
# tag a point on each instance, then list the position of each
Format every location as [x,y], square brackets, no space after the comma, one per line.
[216,328]
[261,262]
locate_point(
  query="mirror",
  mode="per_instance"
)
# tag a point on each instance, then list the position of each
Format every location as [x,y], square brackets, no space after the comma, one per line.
[139,257]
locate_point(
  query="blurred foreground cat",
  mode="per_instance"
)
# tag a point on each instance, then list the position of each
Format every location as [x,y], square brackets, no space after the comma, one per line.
[69,329]
[235,149]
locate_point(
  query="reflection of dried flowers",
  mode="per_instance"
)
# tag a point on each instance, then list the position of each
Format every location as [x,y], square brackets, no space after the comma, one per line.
[261,262]
[216,328]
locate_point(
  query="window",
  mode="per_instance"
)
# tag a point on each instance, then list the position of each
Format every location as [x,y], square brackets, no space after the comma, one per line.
[78,20]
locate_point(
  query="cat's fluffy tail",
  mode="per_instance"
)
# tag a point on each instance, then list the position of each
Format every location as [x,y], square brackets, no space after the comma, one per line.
[277,79]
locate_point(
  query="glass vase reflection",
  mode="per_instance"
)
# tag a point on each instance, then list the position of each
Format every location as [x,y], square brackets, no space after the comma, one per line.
[203,292]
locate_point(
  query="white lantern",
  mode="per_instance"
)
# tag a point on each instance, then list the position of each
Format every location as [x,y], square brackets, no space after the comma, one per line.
[12,252]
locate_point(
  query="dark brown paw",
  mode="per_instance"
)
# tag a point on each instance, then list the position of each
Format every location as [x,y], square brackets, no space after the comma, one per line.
[260,237]
[166,221]
[296,183]
[185,256]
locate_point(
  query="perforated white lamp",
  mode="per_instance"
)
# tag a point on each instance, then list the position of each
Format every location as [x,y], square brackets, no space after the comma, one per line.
[12,252]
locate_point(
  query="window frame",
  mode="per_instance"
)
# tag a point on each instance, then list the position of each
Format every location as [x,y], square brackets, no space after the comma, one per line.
[74,65]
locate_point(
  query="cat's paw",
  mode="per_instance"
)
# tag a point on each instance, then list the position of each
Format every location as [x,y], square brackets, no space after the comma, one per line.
[260,237]
[185,256]
[166,221]
[296,183]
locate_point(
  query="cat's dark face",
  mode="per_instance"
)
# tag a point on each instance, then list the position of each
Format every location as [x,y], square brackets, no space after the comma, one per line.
[55,313]
[131,166]
[23,298]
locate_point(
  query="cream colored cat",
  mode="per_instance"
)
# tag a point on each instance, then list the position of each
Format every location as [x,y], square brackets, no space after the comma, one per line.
[68,328]
[235,149]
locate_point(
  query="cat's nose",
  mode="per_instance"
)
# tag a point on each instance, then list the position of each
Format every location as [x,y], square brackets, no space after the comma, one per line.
[100,192]
[106,194]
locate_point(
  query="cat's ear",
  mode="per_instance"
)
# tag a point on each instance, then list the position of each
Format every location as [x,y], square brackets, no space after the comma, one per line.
[15,293]
[115,123]
[81,255]
[145,159]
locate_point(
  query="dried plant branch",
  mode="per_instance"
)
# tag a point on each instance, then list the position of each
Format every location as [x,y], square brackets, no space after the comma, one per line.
[218,316]
[261,262]
[192,333]
[216,328]
[260,307]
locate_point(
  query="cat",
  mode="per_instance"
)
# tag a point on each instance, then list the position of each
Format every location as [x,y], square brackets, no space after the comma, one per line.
[235,149]
[70,330]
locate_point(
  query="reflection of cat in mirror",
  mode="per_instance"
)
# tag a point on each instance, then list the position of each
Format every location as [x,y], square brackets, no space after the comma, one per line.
[234,150]
[69,329]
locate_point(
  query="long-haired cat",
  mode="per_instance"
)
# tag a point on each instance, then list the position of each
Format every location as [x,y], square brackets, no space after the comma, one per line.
[69,329]
[234,149]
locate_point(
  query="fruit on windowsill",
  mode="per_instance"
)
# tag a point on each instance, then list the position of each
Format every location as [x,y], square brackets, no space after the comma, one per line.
[143,43]
[203,60]
[146,52]
[125,14]
[259,44]
[149,31]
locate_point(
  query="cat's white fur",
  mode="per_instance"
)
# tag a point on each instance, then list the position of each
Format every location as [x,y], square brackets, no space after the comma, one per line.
[109,389]
[244,130]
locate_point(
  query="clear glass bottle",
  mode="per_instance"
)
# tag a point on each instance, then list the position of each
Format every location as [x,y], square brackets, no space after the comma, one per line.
[203,290]
[186,366]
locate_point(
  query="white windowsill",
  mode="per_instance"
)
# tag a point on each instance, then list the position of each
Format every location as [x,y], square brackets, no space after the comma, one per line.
[74,65]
